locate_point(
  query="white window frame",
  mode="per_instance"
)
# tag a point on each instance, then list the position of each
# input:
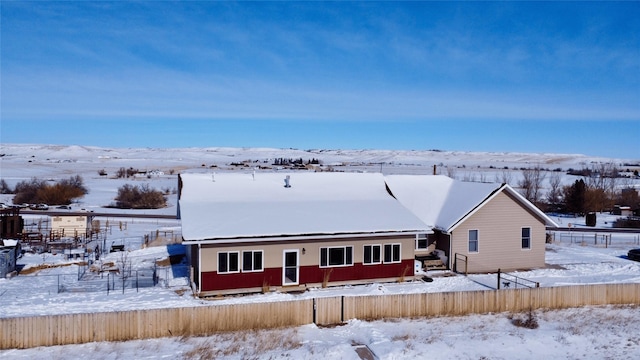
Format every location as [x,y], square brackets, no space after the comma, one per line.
[285,267]
[328,249]
[528,238]
[393,246]
[477,241]
[227,254]
[420,237]
[253,267]
[372,262]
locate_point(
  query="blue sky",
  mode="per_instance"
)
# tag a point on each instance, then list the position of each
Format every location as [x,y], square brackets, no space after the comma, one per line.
[468,76]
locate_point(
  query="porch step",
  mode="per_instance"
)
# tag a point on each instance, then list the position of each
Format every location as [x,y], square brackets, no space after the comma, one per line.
[434,265]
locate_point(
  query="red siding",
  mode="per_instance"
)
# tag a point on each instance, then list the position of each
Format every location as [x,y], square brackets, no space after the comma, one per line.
[212,281]
[315,274]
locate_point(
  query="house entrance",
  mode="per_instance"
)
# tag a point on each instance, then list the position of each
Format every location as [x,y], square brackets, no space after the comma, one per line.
[290,268]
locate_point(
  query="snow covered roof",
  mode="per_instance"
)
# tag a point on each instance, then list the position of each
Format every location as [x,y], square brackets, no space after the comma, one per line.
[241,205]
[442,202]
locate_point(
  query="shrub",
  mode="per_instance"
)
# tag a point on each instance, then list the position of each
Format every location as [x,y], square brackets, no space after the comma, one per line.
[122,172]
[39,191]
[529,321]
[139,197]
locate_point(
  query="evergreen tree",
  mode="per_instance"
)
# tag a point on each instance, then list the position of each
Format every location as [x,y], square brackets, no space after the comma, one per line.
[574,197]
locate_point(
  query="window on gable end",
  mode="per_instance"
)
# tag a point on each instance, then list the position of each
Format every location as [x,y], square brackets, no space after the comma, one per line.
[473,240]
[526,238]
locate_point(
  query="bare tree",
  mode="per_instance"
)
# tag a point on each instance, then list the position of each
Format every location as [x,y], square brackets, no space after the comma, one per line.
[469,177]
[555,190]
[601,182]
[628,195]
[504,177]
[451,172]
[124,266]
[531,183]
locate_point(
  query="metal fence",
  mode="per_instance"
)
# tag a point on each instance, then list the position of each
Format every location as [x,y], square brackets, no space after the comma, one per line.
[599,238]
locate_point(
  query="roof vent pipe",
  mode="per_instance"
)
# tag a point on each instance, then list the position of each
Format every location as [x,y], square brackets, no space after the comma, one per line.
[286,181]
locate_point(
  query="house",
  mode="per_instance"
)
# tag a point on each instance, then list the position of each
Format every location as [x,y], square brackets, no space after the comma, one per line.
[255,232]
[480,227]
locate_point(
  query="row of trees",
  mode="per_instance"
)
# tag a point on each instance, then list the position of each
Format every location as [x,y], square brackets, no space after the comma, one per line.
[300,161]
[598,189]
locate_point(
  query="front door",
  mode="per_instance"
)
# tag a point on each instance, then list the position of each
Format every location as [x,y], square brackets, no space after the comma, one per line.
[290,268]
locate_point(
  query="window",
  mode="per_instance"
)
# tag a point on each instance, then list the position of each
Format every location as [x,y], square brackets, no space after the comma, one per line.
[391,253]
[372,254]
[473,240]
[252,261]
[526,238]
[421,241]
[228,262]
[336,256]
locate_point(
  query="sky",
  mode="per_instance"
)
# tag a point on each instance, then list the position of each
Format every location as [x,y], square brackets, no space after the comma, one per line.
[542,77]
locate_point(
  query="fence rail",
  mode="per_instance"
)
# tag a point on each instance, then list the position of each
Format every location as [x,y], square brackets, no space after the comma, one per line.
[26,332]
[598,237]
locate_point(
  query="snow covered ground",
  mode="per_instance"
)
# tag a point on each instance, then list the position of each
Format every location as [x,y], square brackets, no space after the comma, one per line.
[599,332]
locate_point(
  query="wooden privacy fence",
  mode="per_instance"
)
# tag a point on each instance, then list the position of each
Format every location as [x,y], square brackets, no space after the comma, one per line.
[25,332]
[488,301]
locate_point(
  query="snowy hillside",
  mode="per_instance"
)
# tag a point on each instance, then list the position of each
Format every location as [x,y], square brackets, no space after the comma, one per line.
[96,157]
[20,162]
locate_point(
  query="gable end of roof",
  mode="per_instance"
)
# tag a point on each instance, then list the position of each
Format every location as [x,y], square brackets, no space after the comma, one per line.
[518,198]
[479,206]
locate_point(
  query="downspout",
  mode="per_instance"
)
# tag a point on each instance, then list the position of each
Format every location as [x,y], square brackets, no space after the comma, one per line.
[178,215]
[451,254]
[199,268]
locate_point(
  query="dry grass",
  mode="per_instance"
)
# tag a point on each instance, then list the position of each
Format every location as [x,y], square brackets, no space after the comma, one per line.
[250,344]
[181,291]
[203,351]
[404,337]
[325,277]
[403,275]
[527,320]
[35,269]
[265,287]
